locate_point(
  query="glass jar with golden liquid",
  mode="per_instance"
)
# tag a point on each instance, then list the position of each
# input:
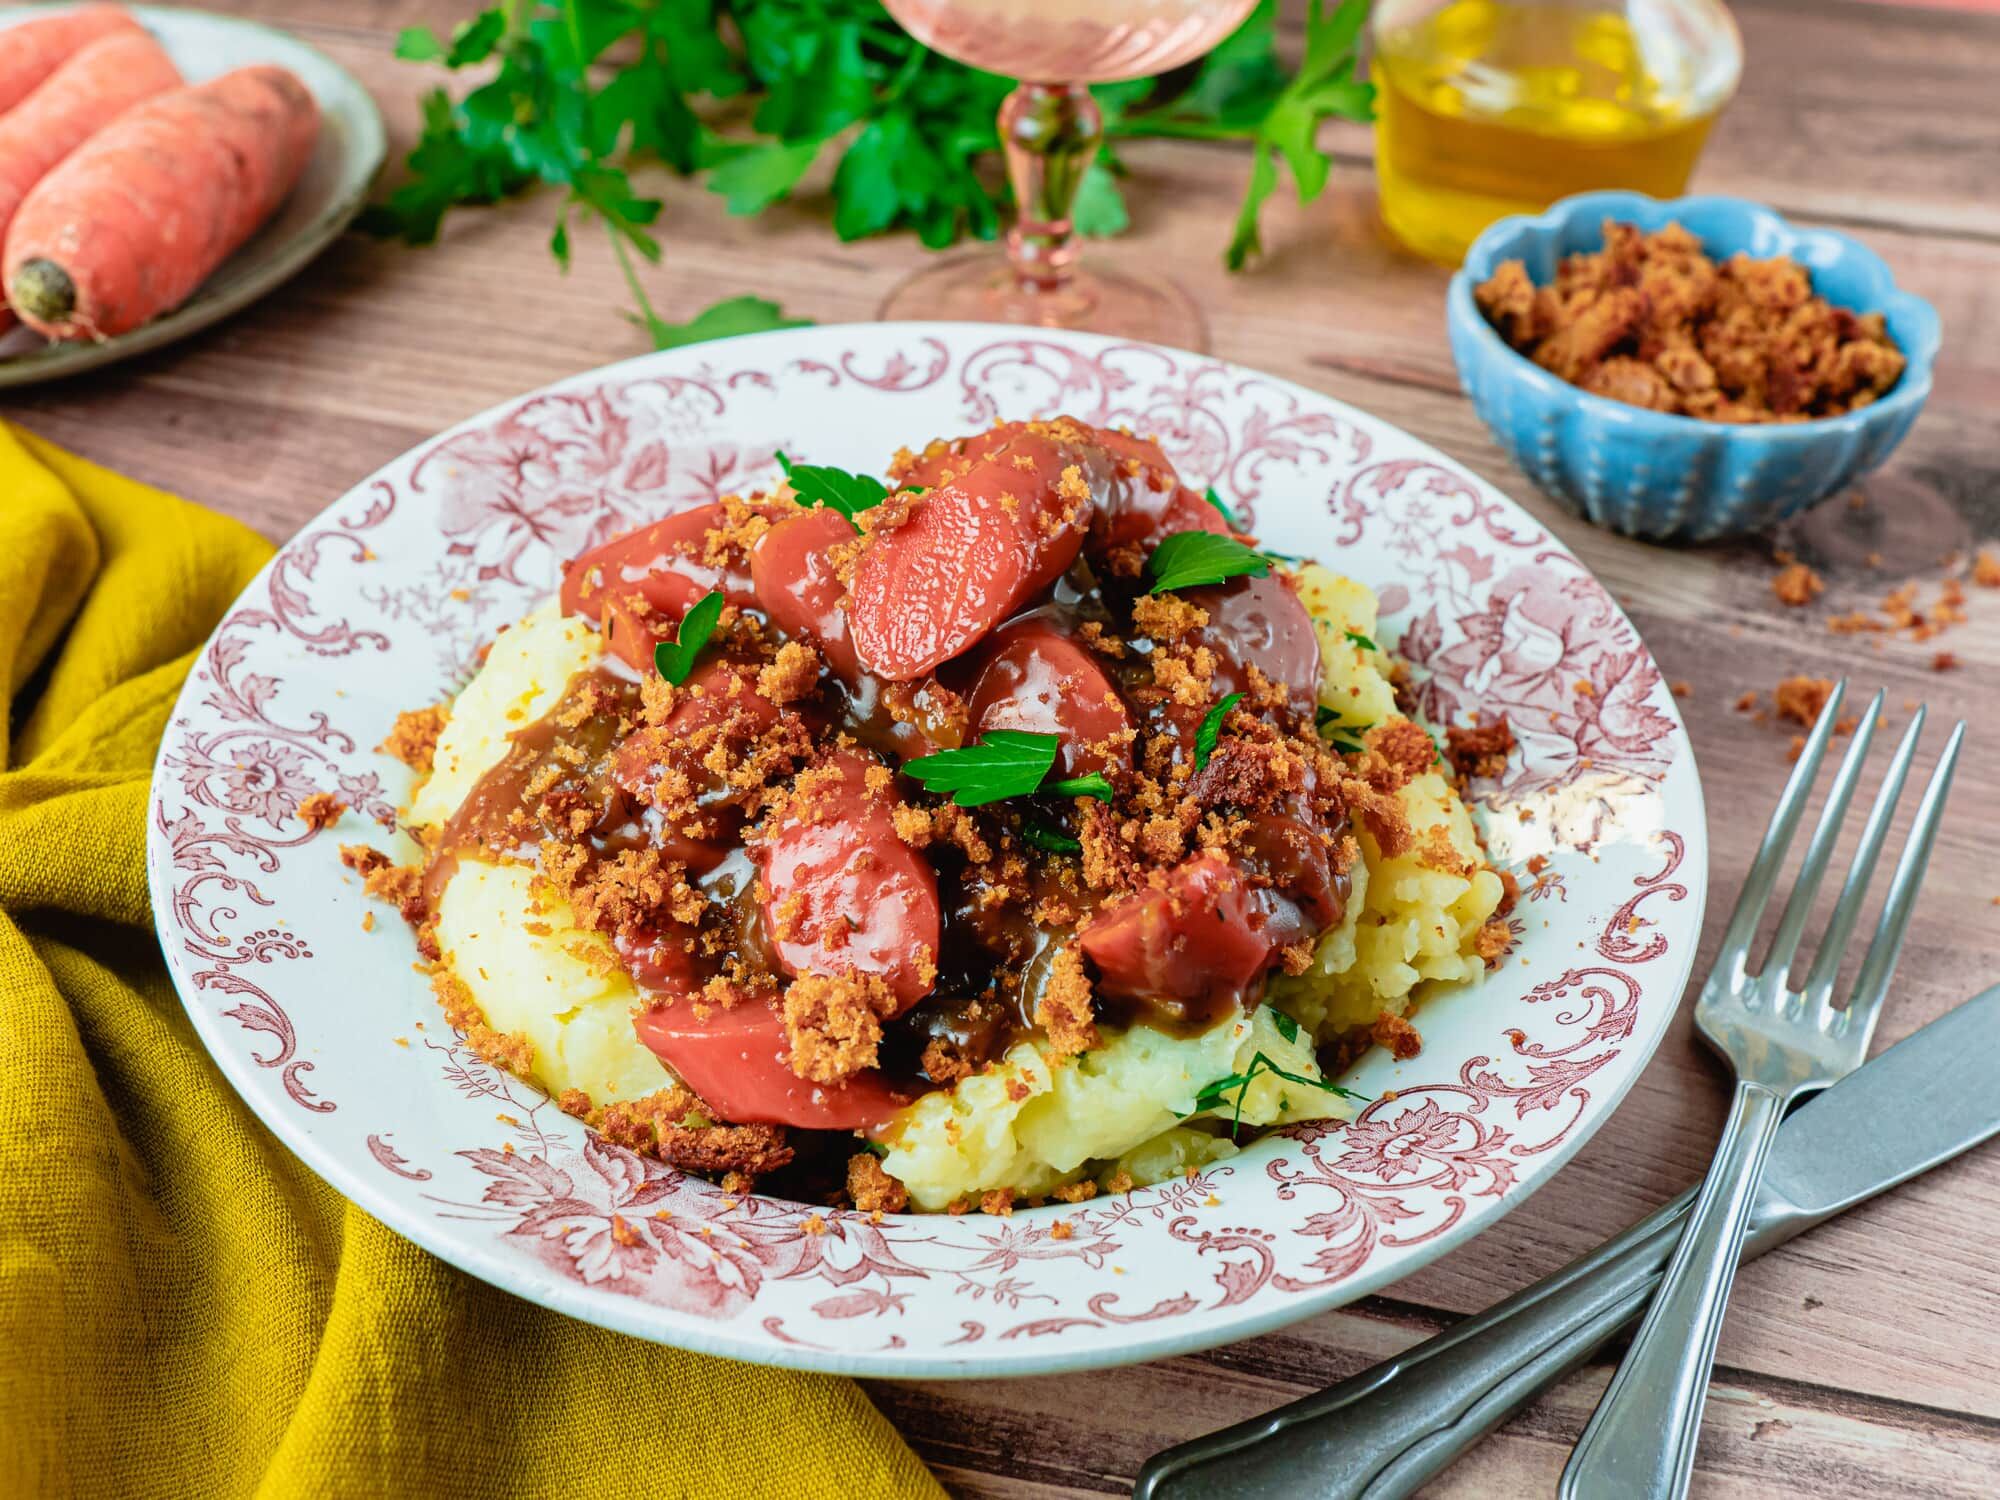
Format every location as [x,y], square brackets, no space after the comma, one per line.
[1485,107]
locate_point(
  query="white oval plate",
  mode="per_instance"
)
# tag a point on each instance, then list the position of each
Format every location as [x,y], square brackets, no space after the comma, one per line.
[328,196]
[381,604]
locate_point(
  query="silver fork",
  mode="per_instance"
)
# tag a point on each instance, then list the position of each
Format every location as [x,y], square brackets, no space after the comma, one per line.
[1783,1043]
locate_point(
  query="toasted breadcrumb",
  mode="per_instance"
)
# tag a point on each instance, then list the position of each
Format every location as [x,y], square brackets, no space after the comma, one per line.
[1800,699]
[999,1202]
[1986,569]
[792,674]
[1680,687]
[413,738]
[1397,1036]
[1797,585]
[319,810]
[1064,1010]
[871,1189]
[834,1023]
[1651,320]
[1492,941]
[1060,1230]
[673,1126]
[1481,749]
[1944,661]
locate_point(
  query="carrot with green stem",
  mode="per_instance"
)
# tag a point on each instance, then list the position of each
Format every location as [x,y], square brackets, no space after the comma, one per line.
[33,50]
[98,83]
[137,217]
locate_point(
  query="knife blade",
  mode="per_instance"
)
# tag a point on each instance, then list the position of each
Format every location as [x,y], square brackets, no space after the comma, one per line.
[1382,1433]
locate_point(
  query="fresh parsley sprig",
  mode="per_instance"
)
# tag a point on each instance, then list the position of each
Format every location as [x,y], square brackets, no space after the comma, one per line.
[675,658]
[538,118]
[1357,638]
[837,489]
[1191,559]
[1213,1094]
[580,89]
[1221,507]
[1210,730]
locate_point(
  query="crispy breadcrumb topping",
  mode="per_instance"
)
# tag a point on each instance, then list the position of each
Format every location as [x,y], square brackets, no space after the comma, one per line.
[413,738]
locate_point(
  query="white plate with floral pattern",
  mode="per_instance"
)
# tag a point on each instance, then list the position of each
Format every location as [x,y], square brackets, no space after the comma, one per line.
[384,601]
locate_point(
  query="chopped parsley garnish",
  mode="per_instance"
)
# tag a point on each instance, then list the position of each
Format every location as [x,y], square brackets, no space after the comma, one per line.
[1288,1027]
[1091,784]
[1221,508]
[1190,559]
[675,658]
[1362,641]
[1210,729]
[1217,1092]
[1002,763]
[1047,839]
[837,489]
[1325,718]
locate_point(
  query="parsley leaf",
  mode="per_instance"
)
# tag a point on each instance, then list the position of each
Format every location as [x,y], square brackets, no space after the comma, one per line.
[837,489]
[1221,509]
[675,658]
[1362,641]
[1210,729]
[724,320]
[1189,559]
[1002,763]
[1091,784]
[1048,840]
[1288,1027]
[1325,85]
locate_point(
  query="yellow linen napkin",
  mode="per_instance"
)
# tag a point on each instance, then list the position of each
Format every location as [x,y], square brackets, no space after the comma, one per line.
[184,1308]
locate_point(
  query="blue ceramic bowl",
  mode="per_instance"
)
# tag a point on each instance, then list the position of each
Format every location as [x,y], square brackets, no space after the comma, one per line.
[1672,478]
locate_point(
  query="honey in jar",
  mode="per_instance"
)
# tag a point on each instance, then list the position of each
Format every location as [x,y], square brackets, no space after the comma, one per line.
[1485,108]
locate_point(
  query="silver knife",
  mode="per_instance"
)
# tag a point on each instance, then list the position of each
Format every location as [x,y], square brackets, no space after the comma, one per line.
[1382,1433]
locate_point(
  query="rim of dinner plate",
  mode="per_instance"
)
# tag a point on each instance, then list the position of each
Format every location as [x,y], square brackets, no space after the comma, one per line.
[668,1326]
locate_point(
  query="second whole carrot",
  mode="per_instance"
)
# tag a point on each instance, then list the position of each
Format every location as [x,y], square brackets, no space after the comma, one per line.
[98,83]
[33,50]
[135,219]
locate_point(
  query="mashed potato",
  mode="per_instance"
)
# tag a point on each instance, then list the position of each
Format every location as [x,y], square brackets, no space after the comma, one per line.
[1143,1104]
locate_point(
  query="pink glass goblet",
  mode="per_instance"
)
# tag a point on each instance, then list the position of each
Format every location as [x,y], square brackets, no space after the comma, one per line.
[1050,129]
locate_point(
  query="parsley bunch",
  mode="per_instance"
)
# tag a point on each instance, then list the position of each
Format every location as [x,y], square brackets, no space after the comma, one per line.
[578,90]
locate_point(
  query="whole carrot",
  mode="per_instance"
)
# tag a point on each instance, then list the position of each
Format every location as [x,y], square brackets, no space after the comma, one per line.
[137,217]
[34,49]
[98,83]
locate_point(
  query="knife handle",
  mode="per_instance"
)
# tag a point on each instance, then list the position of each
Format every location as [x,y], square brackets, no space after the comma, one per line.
[1381,1433]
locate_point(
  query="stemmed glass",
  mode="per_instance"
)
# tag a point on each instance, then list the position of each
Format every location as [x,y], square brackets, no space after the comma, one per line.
[1050,129]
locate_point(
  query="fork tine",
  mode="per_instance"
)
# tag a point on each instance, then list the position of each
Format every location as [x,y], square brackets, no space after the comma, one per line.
[1778,962]
[1826,964]
[1864,1005]
[1777,840]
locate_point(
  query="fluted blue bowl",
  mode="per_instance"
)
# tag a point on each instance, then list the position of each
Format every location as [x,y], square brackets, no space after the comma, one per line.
[1671,478]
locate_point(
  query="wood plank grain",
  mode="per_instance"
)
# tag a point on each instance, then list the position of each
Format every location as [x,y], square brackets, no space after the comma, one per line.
[1086,1435]
[1856,1362]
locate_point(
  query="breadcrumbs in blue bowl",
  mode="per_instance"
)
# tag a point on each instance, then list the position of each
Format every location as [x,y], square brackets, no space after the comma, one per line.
[1687,369]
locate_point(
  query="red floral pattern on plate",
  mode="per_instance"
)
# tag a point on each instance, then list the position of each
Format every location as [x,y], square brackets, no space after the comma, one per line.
[385,601]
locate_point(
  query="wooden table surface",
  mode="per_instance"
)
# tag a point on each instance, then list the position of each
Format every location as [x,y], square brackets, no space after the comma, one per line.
[1861,1360]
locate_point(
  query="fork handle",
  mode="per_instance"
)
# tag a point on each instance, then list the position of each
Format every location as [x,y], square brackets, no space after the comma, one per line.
[1381,1433]
[1640,1441]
